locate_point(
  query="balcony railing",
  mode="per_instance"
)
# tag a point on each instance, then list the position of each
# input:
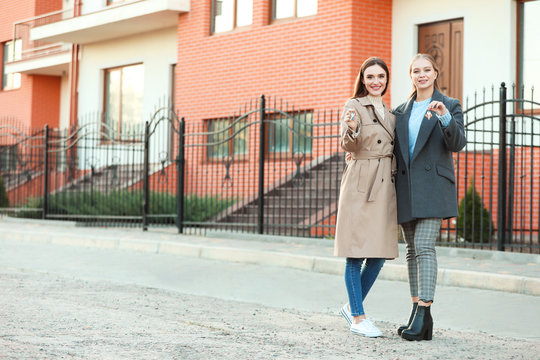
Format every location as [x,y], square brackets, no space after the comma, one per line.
[102,23]
[32,49]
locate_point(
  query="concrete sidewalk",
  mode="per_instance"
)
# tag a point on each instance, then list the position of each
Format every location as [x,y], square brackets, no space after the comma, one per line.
[482,269]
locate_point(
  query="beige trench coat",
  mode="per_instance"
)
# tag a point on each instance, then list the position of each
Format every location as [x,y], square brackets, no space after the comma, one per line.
[366,225]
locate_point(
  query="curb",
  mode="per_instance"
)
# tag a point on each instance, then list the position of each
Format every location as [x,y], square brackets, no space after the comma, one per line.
[327,265]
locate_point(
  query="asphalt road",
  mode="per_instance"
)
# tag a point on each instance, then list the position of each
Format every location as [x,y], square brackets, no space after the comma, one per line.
[62,302]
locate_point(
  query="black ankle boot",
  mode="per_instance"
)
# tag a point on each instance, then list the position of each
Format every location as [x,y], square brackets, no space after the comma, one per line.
[411,317]
[421,327]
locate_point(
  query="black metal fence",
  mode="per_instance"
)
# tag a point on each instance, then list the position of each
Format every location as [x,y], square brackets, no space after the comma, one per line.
[269,168]
[498,190]
[92,174]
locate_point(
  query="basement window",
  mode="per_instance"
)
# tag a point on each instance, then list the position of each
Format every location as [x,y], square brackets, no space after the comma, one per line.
[227,137]
[290,135]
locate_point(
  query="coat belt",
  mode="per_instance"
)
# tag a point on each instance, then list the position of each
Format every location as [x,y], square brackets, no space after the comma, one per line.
[382,163]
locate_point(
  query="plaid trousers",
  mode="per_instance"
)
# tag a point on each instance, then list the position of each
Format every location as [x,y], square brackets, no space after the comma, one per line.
[420,236]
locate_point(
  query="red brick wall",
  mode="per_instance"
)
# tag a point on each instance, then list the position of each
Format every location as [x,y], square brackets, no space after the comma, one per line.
[37,101]
[45,101]
[15,103]
[371,23]
[47,6]
[310,62]
[46,89]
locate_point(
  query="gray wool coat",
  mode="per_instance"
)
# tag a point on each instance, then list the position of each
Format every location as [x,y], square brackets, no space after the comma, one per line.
[425,184]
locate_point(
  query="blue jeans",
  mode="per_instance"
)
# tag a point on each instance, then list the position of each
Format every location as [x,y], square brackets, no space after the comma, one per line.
[359,279]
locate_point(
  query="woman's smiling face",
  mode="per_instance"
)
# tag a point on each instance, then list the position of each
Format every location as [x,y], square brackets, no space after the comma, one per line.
[423,74]
[375,80]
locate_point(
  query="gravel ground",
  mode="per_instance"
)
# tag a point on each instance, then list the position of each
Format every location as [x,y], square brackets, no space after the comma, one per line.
[44,316]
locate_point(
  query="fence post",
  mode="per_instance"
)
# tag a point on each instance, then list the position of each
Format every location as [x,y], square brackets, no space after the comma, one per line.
[180,168]
[262,146]
[501,201]
[146,187]
[45,173]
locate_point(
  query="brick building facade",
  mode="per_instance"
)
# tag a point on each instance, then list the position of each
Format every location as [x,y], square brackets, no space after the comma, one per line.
[213,70]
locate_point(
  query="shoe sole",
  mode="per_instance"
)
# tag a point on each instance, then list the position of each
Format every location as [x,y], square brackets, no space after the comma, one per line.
[366,335]
[415,338]
[346,316]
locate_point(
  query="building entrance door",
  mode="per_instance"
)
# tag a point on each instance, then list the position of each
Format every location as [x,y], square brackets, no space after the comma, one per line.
[444,41]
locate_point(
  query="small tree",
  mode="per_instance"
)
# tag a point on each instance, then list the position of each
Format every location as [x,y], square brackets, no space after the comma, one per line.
[4,201]
[474,220]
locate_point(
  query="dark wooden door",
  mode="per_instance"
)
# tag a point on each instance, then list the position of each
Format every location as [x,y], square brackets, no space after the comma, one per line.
[444,41]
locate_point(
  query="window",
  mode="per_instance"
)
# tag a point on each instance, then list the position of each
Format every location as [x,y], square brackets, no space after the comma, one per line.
[123,101]
[227,137]
[8,157]
[290,136]
[12,52]
[230,14]
[283,9]
[528,51]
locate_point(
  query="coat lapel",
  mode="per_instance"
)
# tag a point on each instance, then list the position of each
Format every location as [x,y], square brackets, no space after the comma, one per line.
[364,101]
[384,122]
[402,130]
[427,127]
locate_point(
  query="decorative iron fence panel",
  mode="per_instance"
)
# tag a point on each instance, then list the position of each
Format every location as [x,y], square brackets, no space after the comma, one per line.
[22,167]
[498,190]
[92,174]
[269,169]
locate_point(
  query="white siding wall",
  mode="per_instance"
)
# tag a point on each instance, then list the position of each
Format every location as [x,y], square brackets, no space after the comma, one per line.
[156,50]
[64,102]
[489,41]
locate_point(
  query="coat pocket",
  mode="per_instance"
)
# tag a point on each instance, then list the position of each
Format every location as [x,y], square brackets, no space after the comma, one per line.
[446,173]
[362,176]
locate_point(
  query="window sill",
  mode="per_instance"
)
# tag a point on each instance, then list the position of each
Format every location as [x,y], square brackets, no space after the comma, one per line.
[11,89]
[291,19]
[239,29]
[223,160]
[287,157]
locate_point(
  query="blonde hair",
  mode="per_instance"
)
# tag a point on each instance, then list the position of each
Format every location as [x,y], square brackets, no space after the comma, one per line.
[433,64]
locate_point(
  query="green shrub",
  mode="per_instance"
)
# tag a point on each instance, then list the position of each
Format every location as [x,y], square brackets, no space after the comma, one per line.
[198,209]
[471,208]
[126,203]
[4,201]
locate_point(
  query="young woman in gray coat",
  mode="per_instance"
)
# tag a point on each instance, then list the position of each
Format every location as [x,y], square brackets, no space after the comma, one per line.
[366,227]
[429,129]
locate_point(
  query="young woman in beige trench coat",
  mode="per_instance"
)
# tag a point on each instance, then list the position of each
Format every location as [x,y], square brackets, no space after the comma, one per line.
[366,226]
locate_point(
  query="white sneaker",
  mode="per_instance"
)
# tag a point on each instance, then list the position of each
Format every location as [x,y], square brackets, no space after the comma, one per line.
[366,328]
[346,313]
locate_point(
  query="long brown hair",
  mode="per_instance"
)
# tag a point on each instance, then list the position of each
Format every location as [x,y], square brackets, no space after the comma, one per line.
[359,87]
[433,64]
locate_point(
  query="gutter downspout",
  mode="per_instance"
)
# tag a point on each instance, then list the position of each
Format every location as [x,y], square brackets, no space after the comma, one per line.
[74,73]
[73,98]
